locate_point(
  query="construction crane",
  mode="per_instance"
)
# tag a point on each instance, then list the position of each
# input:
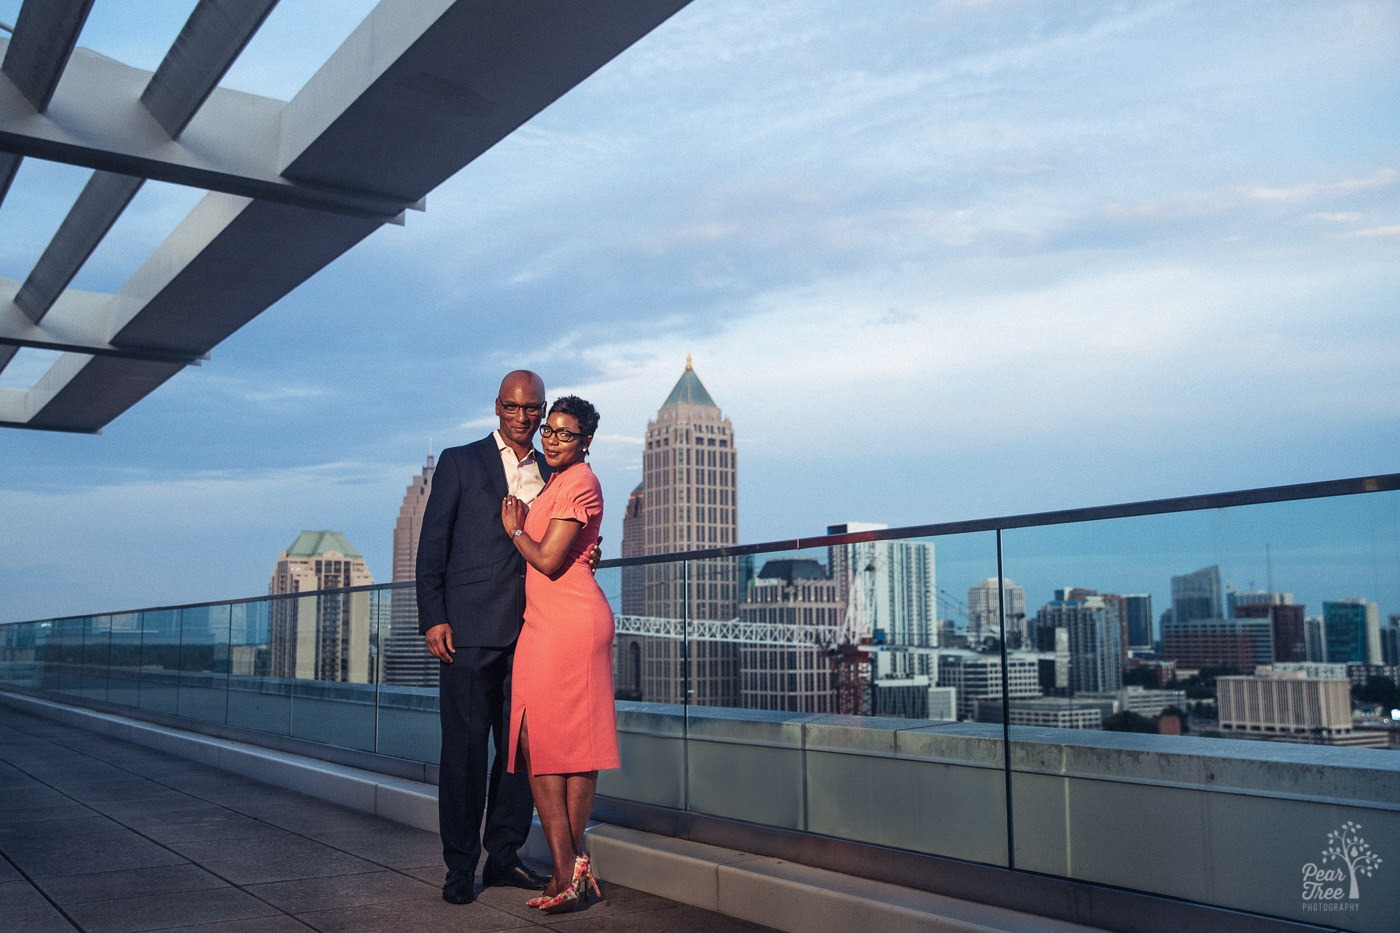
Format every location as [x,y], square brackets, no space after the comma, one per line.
[848,653]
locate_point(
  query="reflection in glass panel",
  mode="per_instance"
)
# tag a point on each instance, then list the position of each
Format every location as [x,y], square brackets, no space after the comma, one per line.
[1091,610]
[158,676]
[255,699]
[1183,659]
[64,656]
[406,661]
[323,635]
[204,652]
[408,724]
[863,629]
[97,654]
[20,653]
[322,641]
[123,678]
[649,663]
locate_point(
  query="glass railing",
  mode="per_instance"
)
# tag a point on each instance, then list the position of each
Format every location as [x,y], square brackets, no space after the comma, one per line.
[1191,698]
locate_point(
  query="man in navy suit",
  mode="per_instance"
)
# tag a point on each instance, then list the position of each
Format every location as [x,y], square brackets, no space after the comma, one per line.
[471,600]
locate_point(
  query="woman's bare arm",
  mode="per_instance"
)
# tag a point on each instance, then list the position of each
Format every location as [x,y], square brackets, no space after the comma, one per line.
[548,555]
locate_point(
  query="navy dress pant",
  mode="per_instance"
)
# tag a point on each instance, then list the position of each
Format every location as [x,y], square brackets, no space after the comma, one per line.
[474,704]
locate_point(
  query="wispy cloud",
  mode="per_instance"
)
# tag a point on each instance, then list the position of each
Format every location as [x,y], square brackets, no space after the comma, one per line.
[285,393]
[1312,191]
[1375,233]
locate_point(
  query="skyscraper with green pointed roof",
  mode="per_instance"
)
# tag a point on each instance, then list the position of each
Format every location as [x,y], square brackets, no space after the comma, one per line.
[687,501]
[320,635]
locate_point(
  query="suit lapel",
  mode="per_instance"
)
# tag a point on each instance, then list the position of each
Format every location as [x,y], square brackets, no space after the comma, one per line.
[491,464]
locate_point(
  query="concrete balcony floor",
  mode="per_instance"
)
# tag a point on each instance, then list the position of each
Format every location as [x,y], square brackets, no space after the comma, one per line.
[113,824]
[99,834]
[109,823]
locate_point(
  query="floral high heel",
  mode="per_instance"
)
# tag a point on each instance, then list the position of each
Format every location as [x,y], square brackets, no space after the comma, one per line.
[566,901]
[573,896]
[583,877]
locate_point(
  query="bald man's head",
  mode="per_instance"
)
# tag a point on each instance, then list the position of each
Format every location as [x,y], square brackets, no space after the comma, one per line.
[520,406]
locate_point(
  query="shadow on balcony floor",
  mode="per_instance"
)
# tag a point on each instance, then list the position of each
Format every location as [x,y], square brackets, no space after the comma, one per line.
[103,835]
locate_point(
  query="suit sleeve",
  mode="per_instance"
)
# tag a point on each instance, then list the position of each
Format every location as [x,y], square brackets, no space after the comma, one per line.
[434,542]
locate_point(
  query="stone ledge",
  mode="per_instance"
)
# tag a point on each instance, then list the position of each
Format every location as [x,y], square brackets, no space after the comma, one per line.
[787,896]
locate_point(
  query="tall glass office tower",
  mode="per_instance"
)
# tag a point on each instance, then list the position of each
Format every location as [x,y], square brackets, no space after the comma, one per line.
[688,500]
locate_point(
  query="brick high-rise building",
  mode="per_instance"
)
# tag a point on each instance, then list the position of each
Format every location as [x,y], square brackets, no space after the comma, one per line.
[406,659]
[1238,644]
[796,676]
[1287,621]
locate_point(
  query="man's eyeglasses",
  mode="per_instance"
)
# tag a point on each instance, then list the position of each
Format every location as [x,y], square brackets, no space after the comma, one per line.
[511,408]
[563,435]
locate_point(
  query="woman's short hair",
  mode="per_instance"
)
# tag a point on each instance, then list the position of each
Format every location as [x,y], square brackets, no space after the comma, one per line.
[581,411]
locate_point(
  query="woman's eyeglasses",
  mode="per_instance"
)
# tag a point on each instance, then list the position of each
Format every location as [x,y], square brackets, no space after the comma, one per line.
[563,436]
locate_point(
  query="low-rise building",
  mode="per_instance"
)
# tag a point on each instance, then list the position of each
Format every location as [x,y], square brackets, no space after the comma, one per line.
[1285,704]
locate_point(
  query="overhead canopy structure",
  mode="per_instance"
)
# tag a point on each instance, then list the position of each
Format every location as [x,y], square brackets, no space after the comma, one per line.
[420,89]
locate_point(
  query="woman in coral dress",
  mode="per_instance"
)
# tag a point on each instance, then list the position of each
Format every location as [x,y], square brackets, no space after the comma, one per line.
[563,724]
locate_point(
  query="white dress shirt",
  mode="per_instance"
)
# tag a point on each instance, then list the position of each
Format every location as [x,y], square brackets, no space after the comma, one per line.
[523,479]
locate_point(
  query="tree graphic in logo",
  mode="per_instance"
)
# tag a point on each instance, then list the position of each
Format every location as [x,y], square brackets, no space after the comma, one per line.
[1347,846]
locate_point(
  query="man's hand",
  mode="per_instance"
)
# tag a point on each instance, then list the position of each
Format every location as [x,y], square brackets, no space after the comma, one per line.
[595,555]
[439,639]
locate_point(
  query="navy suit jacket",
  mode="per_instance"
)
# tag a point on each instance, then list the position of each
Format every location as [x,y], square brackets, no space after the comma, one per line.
[469,574]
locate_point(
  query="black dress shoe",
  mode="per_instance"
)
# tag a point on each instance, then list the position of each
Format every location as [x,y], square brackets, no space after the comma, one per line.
[517,876]
[459,888]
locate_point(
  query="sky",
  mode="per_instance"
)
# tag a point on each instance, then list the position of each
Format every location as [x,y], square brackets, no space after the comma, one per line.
[935,260]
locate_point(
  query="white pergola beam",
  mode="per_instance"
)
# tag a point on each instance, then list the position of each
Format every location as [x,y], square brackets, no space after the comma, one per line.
[419,90]
[447,80]
[99,205]
[79,322]
[207,46]
[83,393]
[196,289]
[46,31]
[9,164]
[96,120]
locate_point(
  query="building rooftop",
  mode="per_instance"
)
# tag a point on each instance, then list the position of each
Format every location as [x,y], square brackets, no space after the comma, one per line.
[790,570]
[688,390]
[316,543]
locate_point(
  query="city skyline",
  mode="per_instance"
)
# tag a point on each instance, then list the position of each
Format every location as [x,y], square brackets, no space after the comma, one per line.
[1041,256]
